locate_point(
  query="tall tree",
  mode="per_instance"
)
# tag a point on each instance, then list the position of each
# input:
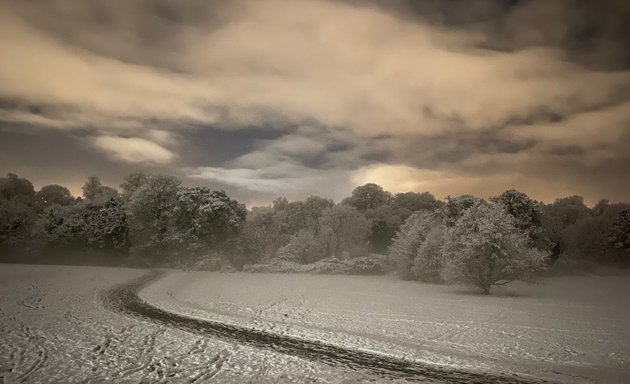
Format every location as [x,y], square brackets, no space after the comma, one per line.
[568,210]
[150,215]
[17,189]
[96,192]
[455,208]
[52,194]
[17,215]
[368,196]
[527,216]
[132,182]
[204,220]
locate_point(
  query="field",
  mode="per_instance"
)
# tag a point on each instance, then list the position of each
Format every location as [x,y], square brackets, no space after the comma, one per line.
[57,325]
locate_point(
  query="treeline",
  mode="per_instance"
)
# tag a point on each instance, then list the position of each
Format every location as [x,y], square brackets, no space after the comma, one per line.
[509,237]
[154,220]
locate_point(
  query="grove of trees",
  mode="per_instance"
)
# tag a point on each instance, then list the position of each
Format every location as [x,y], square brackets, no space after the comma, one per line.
[155,220]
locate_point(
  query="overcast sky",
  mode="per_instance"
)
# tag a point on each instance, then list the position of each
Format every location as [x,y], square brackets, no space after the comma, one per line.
[271,98]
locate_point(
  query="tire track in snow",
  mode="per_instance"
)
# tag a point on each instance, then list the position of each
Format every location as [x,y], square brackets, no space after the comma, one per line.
[40,356]
[125,299]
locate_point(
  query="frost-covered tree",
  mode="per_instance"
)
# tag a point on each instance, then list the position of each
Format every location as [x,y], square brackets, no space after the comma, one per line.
[429,257]
[94,191]
[368,196]
[151,210]
[132,182]
[344,231]
[314,208]
[268,230]
[527,216]
[415,201]
[304,247]
[408,239]
[455,208]
[261,236]
[203,220]
[485,248]
[82,226]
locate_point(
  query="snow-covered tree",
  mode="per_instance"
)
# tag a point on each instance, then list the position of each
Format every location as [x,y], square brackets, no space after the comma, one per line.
[204,220]
[408,239]
[485,248]
[132,182]
[151,209]
[527,216]
[368,196]
[303,247]
[261,236]
[86,225]
[455,208]
[96,192]
[429,258]
[415,201]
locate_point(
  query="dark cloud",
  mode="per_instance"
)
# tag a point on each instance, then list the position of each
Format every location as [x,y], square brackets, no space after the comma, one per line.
[567,150]
[212,146]
[592,33]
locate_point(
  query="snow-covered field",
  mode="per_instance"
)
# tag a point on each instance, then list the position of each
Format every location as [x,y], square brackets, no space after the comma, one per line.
[54,327]
[569,329]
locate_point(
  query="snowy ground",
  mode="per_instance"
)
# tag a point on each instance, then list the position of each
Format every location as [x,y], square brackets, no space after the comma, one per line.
[570,329]
[55,329]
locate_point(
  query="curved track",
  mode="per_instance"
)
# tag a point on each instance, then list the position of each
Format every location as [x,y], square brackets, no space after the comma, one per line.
[125,299]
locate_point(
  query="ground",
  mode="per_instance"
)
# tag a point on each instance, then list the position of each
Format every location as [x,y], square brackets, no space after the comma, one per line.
[55,327]
[569,329]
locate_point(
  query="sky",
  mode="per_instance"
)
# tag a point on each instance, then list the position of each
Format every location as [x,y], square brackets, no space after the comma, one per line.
[293,98]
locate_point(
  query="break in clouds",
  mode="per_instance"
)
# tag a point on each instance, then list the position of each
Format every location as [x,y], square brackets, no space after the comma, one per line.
[268,98]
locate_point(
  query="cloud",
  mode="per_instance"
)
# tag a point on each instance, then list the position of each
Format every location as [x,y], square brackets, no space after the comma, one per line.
[133,149]
[425,95]
[364,69]
[403,178]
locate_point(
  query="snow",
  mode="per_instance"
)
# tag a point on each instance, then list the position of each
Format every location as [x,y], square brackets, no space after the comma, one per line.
[54,328]
[569,329]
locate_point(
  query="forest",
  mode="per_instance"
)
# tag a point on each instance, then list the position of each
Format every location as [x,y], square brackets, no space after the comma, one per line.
[154,220]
